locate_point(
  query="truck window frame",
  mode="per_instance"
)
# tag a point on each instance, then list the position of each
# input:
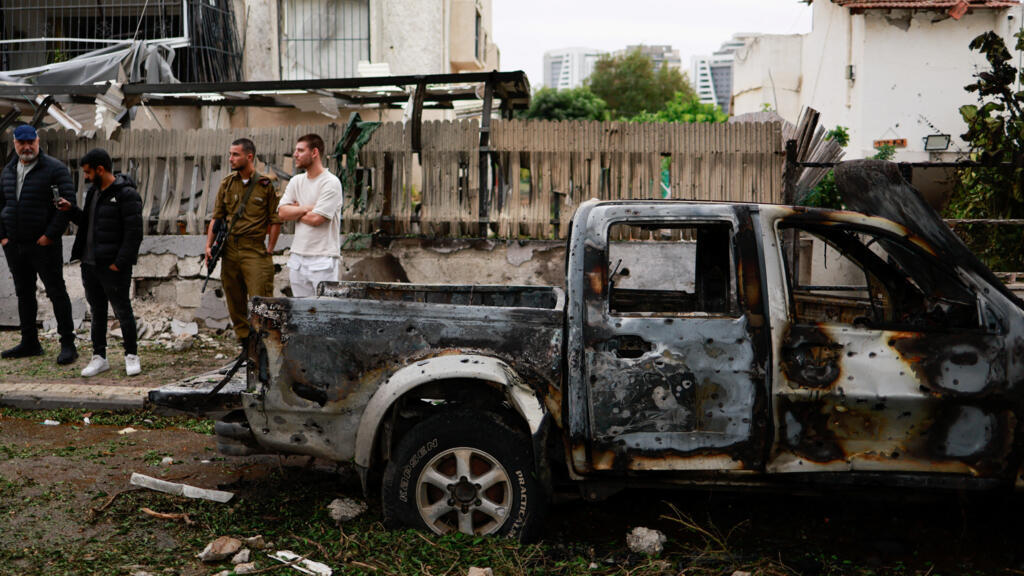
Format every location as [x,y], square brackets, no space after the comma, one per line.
[895,319]
[731,306]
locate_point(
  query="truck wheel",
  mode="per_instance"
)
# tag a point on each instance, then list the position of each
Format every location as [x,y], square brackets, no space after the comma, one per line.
[465,471]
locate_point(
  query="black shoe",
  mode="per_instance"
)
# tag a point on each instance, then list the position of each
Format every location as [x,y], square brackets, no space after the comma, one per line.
[68,353]
[23,350]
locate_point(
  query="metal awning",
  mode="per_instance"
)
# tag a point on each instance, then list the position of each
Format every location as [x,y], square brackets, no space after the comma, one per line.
[436,91]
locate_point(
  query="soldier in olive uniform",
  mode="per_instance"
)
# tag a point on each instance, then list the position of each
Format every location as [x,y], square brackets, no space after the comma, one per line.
[246,268]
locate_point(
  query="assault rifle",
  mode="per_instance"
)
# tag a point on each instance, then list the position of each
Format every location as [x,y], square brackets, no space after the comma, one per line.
[220,236]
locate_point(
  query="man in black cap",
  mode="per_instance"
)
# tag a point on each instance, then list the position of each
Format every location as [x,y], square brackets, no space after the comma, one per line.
[30,233]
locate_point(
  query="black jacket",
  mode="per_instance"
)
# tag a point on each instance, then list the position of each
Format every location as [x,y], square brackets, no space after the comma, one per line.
[35,214]
[118,224]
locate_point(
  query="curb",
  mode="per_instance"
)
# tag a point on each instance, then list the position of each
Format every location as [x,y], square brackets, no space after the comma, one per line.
[41,396]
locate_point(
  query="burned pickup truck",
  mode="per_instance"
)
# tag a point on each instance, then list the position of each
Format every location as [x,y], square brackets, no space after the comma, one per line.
[693,343]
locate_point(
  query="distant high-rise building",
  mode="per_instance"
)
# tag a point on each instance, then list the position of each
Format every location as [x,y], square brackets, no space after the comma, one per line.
[711,76]
[659,55]
[569,67]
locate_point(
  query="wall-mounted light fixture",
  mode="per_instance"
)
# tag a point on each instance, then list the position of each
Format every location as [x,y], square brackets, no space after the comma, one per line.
[936,142]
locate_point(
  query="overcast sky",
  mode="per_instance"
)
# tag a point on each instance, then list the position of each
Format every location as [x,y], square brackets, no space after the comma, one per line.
[525,29]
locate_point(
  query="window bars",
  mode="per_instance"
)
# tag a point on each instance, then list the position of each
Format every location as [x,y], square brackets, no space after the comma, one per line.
[35,33]
[323,38]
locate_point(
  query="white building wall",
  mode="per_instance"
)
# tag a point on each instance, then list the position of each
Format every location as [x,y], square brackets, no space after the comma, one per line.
[767,71]
[909,73]
[411,35]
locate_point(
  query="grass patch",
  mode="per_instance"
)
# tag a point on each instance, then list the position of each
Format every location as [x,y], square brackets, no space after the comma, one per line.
[139,419]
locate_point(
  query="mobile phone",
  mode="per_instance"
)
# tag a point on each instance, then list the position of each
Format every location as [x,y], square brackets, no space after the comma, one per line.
[56,193]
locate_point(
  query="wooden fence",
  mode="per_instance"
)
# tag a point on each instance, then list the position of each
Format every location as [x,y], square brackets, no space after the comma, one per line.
[537,172]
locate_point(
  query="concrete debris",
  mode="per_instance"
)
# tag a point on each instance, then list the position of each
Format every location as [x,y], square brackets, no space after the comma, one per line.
[246,568]
[181,490]
[301,564]
[345,509]
[126,431]
[474,571]
[180,345]
[646,541]
[180,328]
[117,333]
[51,423]
[256,542]
[166,461]
[242,557]
[220,549]
[219,357]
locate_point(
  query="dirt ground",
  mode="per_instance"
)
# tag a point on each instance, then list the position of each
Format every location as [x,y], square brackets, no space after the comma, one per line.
[163,361]
[66,507]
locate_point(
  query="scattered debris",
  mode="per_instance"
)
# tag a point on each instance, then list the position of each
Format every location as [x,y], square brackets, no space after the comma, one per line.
[474,571]
[179,328]
[128,430]
[219,357]
[242,557]
[86,420]
[246,568]
[740,573]
[593,566]
[166,461]
[301,564]
[646,541]
[167,516]
[179,489]
[257,542]
[51,423]
[345,509]
[223,573]
[220,549]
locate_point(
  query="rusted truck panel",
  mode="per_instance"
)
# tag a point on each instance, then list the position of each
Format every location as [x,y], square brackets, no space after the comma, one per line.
[320,361]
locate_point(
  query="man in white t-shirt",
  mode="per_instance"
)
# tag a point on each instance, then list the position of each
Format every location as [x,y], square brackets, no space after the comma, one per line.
[314,201]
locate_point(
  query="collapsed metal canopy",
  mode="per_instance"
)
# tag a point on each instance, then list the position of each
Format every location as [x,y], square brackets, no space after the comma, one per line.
[431,91]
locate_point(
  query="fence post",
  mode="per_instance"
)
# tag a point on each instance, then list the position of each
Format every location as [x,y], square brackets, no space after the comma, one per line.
[485,152]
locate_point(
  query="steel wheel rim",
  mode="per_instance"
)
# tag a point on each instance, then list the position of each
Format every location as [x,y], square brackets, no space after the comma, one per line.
[464,489]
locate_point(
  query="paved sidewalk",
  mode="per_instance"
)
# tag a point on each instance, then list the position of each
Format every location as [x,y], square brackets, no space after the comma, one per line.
[95,396]
[47,396]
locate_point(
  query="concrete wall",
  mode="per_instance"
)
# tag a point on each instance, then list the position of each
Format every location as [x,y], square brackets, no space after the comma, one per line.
[169,276]
[909,73]
[767,70]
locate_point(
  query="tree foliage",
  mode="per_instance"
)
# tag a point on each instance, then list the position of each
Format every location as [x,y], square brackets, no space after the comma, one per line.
[995,133]
[629,84]
[572,104]
[684,108]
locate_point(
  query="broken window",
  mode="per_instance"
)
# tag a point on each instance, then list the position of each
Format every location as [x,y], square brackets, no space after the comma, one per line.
[662,269]
[323,38]
[868,278]
[34,33]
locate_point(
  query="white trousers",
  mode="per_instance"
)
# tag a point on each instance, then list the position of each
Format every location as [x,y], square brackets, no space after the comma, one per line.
[305,272]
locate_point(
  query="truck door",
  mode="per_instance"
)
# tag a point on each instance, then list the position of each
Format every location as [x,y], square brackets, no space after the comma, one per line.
[887,359]
[674,360]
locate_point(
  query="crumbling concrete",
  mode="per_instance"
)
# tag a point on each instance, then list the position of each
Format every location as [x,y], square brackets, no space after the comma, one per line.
[169,275]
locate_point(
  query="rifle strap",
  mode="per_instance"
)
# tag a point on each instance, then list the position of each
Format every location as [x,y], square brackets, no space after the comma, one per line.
[245,200]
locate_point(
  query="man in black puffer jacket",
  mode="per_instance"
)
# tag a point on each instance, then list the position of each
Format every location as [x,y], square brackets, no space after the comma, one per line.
[107,243]
[30,233]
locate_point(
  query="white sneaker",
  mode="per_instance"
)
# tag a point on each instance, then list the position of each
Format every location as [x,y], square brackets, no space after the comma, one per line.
[131,364]
[96,365]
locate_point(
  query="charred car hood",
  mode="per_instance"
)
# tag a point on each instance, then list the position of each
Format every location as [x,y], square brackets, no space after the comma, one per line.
[876,187]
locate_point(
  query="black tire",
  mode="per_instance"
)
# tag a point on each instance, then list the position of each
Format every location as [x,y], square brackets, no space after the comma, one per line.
[422,476]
